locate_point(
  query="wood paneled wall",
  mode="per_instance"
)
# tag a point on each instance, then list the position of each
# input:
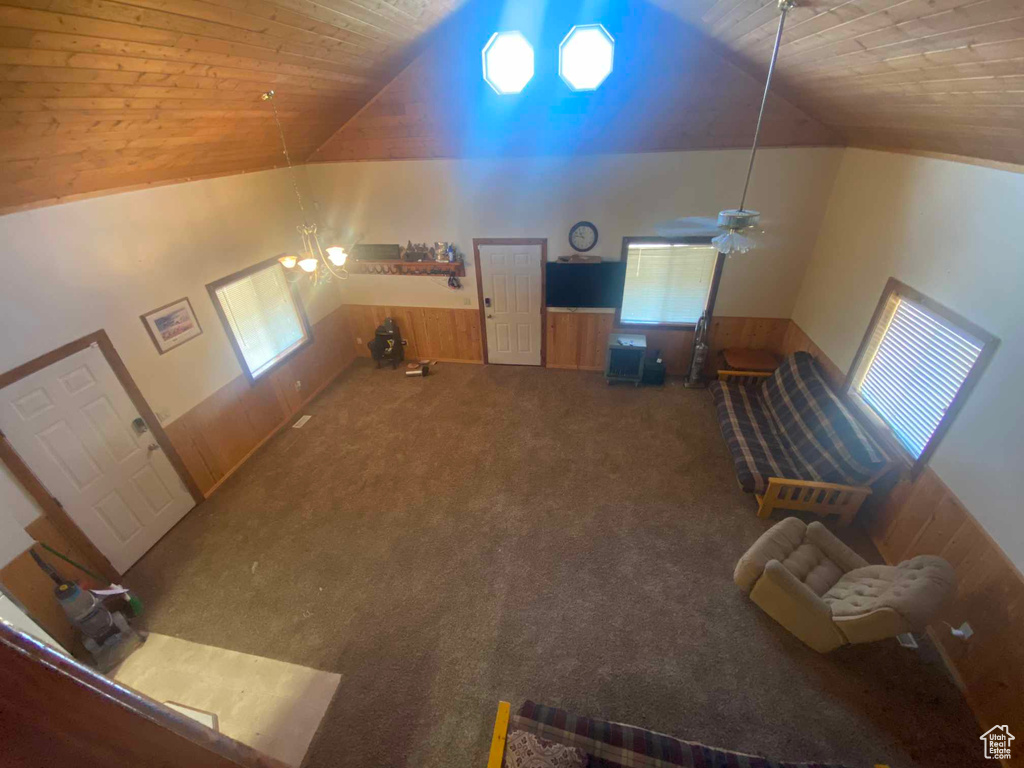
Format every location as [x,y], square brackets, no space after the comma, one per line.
[216,436]
[435,333]
[578,340]
[922,516]
[56,712]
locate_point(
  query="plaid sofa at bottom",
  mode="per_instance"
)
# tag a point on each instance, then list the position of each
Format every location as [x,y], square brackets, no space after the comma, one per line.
[757,452]
[614,744]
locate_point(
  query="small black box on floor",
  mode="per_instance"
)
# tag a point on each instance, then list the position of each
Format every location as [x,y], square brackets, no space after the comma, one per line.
[654,373]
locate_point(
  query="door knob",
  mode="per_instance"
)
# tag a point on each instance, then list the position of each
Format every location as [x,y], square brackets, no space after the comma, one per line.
[151,448]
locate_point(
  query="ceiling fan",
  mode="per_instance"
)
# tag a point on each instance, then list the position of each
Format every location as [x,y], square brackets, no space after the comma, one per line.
[730,229]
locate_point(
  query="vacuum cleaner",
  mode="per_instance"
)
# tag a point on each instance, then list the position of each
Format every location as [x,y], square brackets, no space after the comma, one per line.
[105,633]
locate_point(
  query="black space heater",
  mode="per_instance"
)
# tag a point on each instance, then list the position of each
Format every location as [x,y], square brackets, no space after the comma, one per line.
[387,344]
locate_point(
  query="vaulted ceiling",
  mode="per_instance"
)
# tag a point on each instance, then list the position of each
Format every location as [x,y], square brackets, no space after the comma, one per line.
[104,94]
[944,76]
[112,94]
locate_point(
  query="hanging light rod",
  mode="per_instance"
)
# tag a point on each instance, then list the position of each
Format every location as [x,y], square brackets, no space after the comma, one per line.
[313,258]
[785,6]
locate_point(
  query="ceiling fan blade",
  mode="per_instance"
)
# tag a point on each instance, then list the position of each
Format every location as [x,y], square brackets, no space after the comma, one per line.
[688,226]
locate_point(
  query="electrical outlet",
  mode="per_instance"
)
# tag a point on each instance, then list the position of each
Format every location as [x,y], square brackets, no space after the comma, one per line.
[466,302]
[964,631]
[907,640]
[298,385]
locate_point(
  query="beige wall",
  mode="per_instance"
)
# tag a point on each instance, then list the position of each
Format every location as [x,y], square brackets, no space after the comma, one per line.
[75,268]
[17,509]
[949,230]
[458,200]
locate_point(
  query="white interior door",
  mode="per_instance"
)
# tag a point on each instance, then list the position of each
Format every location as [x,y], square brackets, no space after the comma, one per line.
[71,423]
[511,278]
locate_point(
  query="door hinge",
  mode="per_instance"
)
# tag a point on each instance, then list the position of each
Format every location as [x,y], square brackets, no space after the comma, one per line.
[57,502]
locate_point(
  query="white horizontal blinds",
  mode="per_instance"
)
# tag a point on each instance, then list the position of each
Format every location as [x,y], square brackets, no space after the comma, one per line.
[918,367]
[263,317]
[667,283]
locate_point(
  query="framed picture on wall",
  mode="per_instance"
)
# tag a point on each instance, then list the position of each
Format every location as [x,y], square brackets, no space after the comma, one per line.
[171,325]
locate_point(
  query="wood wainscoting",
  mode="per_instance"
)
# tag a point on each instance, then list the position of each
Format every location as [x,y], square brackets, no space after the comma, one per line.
[434,333]
[219,434]
[922,516]
[578,340]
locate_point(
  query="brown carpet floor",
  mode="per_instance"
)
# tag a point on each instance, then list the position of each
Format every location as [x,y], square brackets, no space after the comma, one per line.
[507,533]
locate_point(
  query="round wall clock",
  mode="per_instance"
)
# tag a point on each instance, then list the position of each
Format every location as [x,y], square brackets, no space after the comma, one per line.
[583,236]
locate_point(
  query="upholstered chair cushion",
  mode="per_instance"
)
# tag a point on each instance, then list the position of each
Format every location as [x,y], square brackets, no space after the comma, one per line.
[916,589]
[827,595]
[810,552]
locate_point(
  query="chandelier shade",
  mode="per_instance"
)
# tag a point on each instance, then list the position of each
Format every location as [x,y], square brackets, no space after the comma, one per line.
[318,262]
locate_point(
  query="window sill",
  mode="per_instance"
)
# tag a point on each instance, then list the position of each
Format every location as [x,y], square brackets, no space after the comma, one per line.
[656,326]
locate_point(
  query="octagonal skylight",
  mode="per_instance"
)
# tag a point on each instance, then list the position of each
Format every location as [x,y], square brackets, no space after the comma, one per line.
[508,62]
[585,57]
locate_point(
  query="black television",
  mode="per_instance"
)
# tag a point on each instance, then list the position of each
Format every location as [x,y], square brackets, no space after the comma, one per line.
[585,285]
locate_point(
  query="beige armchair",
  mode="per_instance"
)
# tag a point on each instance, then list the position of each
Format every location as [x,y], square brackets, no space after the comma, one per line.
[828,595]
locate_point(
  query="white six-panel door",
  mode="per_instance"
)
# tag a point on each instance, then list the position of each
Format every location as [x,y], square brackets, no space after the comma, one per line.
[71,423]
[511,279]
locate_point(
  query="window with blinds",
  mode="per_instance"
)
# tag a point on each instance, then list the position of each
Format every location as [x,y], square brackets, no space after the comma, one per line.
[914,365]
[667,284]
[261,315]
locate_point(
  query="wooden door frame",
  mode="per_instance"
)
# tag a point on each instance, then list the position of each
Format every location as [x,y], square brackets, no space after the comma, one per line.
[543,243]
[52,508]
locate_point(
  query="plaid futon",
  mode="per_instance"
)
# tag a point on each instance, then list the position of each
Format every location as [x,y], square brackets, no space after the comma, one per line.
[793,425]
[611,745]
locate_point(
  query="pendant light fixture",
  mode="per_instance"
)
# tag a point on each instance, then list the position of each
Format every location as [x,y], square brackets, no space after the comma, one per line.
[730,225]
[318,262]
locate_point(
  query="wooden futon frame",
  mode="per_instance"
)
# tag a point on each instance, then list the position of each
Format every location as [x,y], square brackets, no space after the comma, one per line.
[805,495]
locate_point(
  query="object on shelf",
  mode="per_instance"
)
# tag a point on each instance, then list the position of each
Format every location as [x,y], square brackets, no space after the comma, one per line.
[580,258]
[439,252]
[408,268]
[372,252]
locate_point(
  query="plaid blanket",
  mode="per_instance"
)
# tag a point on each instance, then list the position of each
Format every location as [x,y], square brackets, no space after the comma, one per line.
[794,426]
[822,437]
[613,745]
[757,450]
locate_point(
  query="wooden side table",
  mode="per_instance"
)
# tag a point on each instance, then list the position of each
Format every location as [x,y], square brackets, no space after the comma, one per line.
[739,359]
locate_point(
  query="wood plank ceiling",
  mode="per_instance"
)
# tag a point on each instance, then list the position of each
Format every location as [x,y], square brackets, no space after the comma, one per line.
[105,94]
[112,94]
[942,76]
[694,98]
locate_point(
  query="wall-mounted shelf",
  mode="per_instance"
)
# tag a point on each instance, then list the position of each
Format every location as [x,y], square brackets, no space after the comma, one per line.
[431,268]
